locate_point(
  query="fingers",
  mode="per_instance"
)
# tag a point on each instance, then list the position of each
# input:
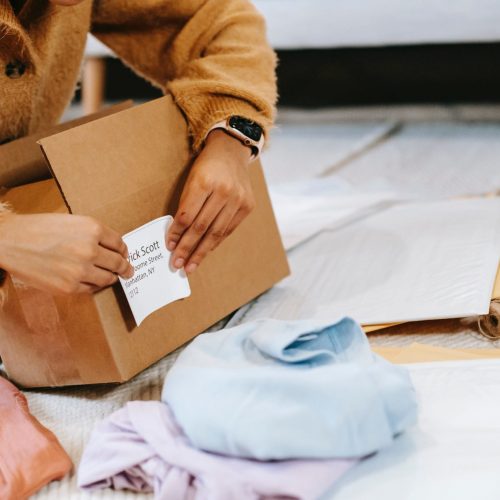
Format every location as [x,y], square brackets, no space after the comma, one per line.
[66,286]
[197,230]
[217,219]
[99,278]
[94,279]
[114,262]
[212,238]
[86,288]
[189,209]
[110,239]
[237,220]
[217,192]
[112,257]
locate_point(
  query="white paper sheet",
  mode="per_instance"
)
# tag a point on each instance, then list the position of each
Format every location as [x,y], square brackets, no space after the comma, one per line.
[453,453]
[432,160]
[411,262]
[155,283]
[301,151]
[303,209]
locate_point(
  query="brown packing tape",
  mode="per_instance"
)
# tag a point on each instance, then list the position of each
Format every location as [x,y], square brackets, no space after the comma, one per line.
[45,332]
[31,324]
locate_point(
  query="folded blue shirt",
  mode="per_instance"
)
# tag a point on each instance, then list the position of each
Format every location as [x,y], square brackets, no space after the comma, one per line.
[289,389]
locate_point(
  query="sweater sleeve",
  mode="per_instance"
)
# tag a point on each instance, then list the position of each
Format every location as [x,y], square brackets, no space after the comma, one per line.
[211,55]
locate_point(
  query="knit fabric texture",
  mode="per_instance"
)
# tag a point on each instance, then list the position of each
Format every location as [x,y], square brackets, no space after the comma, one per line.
[275,390]
[211,55]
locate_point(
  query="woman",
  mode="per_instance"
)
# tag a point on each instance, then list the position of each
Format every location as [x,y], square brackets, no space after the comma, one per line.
[211,55]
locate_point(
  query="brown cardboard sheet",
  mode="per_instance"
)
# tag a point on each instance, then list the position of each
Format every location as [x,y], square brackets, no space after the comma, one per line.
[375,328]
[422,353]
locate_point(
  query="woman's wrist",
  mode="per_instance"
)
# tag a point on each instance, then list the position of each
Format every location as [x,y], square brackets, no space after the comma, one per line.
[221,144]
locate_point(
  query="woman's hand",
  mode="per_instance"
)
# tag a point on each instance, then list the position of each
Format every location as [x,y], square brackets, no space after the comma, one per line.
[62,253]
[216,198]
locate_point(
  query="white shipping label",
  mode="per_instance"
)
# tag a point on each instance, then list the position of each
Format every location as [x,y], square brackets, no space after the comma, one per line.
[155,282]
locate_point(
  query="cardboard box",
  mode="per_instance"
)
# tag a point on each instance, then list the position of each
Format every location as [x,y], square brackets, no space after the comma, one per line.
[126,169]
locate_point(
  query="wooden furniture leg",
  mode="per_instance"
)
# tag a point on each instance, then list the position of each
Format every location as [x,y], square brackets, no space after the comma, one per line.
[93,81]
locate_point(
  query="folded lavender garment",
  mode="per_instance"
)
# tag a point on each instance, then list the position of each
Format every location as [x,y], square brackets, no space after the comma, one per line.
[141,448]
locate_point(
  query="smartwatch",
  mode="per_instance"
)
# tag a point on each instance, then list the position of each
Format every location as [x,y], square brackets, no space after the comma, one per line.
[246,131]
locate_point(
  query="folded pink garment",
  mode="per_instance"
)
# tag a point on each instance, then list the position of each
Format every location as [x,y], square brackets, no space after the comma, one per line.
[142,448]
[30,455]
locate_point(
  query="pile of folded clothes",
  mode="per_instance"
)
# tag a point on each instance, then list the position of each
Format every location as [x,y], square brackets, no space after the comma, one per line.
[266,409]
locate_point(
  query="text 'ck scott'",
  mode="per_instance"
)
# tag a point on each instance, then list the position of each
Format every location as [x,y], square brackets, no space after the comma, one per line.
[143,251]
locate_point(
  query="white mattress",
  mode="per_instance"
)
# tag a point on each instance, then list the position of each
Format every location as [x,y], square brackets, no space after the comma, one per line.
[352,23]
[295,24]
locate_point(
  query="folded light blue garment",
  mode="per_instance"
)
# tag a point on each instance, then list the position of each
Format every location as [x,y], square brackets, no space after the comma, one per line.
[289,389]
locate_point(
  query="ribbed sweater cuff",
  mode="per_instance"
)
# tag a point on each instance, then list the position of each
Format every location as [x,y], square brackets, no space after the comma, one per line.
[203,113]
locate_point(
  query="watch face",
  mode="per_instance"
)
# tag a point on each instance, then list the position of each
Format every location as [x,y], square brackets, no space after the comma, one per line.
[251,129]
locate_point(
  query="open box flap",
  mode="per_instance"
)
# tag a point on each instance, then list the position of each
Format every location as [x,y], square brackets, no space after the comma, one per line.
[117,168]
[21,160]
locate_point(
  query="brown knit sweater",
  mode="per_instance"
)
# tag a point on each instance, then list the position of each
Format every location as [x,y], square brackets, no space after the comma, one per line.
[211,55]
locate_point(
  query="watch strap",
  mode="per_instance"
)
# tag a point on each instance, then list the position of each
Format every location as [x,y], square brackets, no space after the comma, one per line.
[255,146]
